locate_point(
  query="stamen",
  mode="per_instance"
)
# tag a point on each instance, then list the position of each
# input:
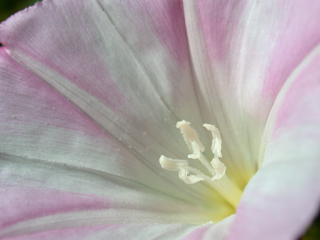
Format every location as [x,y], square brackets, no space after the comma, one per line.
[196,151]
[219,168]
[189,179]
[218,180]
[190,135]
[172,164]
[216,140]
[198,155]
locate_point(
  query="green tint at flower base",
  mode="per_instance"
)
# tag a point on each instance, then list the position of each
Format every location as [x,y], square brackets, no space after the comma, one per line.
[213,173]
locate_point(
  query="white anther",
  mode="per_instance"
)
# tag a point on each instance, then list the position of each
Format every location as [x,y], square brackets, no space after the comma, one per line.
[216,140]
[189,179]
[190,135]
[219,168]
[172,164]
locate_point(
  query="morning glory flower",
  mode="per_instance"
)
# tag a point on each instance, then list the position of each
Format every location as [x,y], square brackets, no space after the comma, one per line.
[149,119]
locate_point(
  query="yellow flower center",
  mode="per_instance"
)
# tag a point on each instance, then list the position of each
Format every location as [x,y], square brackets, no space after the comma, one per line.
[215,175]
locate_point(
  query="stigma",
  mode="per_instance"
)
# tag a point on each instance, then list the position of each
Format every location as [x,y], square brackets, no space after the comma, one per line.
[215,175]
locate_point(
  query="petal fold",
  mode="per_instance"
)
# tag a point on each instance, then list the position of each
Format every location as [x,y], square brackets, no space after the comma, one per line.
[284,195]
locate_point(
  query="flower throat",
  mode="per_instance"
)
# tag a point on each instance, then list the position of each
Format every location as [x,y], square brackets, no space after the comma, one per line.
[217,177]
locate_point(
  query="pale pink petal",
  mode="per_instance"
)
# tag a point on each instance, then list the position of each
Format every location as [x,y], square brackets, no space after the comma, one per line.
[136,231]
[40,124]
[114,61]
[219,231]
[100,55]
[283,197]
[243,52]
[141,229]
[20,203]
[35,194]
[56,161]
[59,167]
[125,49]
